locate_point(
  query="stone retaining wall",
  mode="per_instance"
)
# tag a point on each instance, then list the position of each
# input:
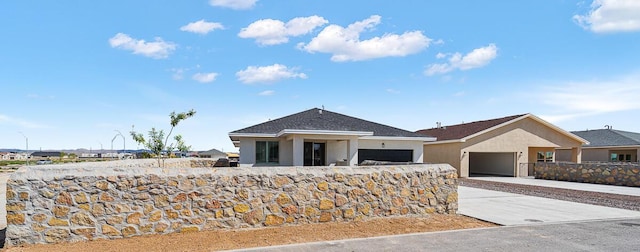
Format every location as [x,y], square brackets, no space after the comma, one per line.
[53,203]
[625,174]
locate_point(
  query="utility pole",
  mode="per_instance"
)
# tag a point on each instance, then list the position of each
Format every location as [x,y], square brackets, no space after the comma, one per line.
[26,139]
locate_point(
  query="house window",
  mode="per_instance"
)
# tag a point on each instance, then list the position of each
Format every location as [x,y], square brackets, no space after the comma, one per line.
[545,156]
[615,157]
[267,152]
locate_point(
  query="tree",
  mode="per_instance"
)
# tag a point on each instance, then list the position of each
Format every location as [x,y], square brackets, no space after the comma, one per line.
[155,142]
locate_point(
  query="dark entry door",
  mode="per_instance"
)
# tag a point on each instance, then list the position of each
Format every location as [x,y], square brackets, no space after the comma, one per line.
[314,154]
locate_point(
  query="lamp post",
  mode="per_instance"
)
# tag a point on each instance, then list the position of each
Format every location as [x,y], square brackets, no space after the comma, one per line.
[124,144]
[114,138]
[26,139]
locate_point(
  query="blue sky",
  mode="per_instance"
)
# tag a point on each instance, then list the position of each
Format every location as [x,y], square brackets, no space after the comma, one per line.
[74,72]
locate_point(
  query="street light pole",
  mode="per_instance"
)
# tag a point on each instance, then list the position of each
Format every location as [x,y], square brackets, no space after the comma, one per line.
[124,144]
[26,139]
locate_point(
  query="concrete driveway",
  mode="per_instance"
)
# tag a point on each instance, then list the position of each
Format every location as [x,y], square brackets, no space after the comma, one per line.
[515,209]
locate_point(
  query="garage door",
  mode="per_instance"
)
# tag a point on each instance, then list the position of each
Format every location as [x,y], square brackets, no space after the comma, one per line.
[485,163]
[385,155]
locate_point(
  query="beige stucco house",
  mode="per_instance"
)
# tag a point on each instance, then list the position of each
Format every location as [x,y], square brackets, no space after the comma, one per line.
[606,145]
[503,146]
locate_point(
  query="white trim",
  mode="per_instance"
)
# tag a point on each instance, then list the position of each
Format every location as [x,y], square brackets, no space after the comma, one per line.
[323,132]
[252,135]
[425,139]
[446,141]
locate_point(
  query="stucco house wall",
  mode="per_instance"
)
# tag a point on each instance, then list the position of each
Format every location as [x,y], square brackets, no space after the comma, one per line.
[448,153]
[336,149]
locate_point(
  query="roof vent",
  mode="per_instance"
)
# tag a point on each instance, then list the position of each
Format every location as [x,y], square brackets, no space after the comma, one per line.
[608,127]
[438,125]
[320,111]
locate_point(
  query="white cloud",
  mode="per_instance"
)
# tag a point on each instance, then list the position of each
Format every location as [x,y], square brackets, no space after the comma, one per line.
[37,96]
[267,93]
[178,73]
[267,74]
[234,4]
[579,99]
[345,45]
[479,57]
[205,77]
[4,119]
[459,94]
[158,49]
[201,27]
[611,16]
[393,91]
[273,32]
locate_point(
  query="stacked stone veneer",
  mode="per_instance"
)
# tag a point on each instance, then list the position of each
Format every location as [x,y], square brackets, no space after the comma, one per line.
[50,204]
[625,174]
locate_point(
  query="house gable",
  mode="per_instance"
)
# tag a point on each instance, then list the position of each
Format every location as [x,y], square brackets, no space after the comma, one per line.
[464,132]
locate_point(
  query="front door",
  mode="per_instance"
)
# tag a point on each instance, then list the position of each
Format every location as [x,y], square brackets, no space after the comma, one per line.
[314,154]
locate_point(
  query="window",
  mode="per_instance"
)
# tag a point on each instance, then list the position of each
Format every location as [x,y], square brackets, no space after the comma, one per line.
[267,152]
[545,156]
[617,157]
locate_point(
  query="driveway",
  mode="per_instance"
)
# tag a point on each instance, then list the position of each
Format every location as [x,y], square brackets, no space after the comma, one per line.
[515,209]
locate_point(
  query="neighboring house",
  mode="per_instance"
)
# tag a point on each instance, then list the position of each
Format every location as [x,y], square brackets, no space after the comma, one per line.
[607,145]
[13,156]
[45,155]
[318,137]
[504,146]
[212,153]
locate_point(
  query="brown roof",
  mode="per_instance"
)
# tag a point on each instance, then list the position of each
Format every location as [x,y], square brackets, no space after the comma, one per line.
[466,129]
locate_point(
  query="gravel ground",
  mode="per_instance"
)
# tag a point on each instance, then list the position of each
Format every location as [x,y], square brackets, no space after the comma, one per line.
[602,199]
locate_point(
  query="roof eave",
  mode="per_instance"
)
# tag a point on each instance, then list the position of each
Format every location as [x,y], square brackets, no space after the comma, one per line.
[446,142]
[610,146]
[399,138]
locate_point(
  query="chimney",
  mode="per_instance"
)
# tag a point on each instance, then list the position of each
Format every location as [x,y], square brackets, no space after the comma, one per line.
[438,125]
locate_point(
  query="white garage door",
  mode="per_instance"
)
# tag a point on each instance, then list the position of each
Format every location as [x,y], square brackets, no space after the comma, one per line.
[491,163]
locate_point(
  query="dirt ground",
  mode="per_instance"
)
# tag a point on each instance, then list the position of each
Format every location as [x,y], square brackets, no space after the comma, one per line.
[235,239]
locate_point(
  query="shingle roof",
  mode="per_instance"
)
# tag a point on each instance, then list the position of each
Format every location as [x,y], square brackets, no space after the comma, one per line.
[609,137]
[325,120]
[46,154]
[460,131]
